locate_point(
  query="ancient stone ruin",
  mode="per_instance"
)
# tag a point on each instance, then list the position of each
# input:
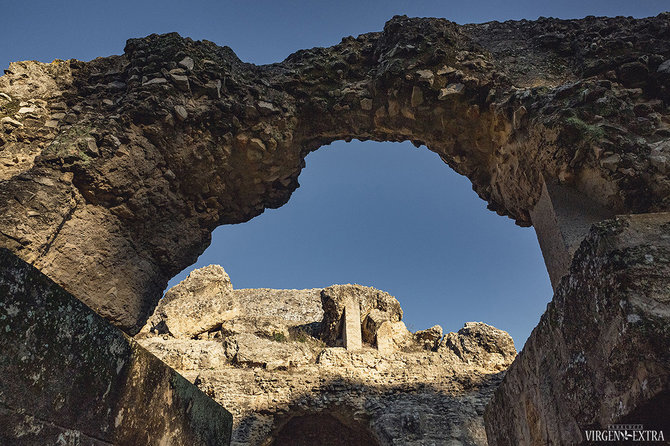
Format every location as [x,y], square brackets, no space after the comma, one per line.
[114,172]
[285,364]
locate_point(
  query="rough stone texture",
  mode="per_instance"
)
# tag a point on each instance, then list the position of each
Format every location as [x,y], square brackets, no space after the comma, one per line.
[429,338]
[197,305]
[286,386]
[600,353]
[114,172]
[480,343]
[394,336]
[375,307]
[67,377]
[274,313]
[562,218]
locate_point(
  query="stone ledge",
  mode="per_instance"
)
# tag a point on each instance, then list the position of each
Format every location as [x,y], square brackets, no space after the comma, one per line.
[69,377]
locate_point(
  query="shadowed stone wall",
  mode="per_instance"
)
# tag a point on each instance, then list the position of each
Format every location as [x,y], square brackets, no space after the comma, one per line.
[562,218]
[68,377]
[600,354]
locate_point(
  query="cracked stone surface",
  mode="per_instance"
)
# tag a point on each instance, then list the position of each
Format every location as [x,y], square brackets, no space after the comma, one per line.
[68,377]
[599,355]
[114,172]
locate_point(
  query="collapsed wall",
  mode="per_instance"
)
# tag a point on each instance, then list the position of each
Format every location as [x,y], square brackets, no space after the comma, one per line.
[281,363]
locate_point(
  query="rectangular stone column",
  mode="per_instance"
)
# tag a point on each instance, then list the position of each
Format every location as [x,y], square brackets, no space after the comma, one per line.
[353,337]
[562,218]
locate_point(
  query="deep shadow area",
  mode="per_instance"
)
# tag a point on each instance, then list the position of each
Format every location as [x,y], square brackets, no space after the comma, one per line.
[653,415]
[323,429]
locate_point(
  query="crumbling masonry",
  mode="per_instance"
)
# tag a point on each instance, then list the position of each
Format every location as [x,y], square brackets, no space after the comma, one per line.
[114,172]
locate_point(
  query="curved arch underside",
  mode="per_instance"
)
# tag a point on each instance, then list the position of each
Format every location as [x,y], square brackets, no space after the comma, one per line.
[114,172]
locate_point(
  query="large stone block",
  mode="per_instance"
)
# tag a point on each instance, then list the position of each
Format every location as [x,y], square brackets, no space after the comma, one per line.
[199,303]
[68,377]
[599,355]
[371,306]
[353,339]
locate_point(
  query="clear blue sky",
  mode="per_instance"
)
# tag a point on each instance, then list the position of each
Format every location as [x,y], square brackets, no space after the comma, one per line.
[385,215]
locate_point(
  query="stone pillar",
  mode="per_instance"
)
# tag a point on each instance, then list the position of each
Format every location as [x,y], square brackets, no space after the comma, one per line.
[353,337]
[562,218]
[599,355]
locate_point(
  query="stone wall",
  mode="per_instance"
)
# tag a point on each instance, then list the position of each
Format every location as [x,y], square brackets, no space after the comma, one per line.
[67,377]
[600,354]
[114,172]
[277,366]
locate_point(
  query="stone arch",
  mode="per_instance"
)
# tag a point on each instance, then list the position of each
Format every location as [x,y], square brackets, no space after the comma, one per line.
[327,428]
[121,167]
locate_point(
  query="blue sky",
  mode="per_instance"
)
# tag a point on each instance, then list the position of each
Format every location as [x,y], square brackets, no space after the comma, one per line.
[386,215]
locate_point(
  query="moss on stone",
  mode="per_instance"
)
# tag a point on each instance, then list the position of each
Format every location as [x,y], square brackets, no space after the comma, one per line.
[9,108]
[588,132]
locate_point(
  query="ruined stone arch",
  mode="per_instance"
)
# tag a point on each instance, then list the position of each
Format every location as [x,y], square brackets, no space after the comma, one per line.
[124,165]
[115,171]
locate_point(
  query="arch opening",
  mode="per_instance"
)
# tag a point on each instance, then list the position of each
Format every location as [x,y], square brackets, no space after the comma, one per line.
[397,218]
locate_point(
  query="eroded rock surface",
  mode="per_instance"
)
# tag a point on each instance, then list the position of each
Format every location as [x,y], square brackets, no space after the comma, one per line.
[114,172]
[376,307]
[479,343]
[599,355]
[272,367]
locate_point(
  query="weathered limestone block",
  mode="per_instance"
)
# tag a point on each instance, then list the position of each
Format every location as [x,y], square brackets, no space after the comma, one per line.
[429,338]
[600,353]
[393,336]
[371,324]
[198,304]
[249,350]
[351,330]
[375,307]
[205,306]
[68,377]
